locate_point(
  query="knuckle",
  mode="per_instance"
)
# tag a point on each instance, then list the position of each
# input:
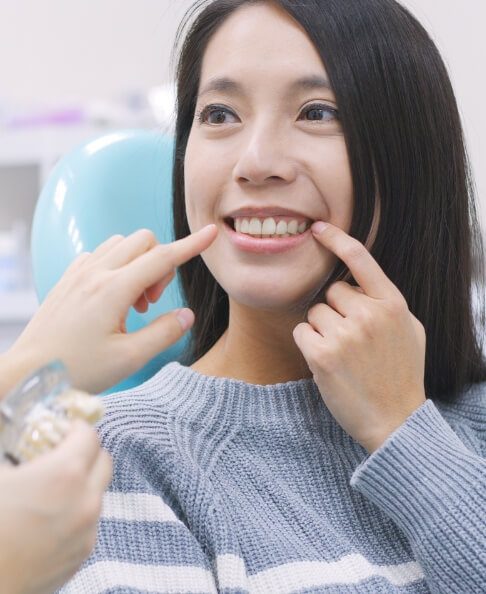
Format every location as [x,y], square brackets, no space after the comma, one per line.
[334,290]
[365,320]
[147,236]
[146,233]
[419,326]
[396,306]
[82,257]
[329,294]
[93,283]
[314,311]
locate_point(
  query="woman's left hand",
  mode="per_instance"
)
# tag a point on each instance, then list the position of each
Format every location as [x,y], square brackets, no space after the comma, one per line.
[366,350]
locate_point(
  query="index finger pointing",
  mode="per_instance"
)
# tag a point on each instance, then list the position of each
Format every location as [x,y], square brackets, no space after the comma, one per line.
[364,268]
[161,260]
[184,249]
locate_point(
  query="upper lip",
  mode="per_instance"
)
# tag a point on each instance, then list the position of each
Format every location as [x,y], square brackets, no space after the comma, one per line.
[268,211]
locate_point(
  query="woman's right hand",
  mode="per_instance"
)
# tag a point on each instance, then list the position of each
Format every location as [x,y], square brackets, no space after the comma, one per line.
[49,510]
[82,320]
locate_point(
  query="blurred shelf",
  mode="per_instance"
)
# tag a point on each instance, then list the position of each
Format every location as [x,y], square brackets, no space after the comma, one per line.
[36,145]
[17,306]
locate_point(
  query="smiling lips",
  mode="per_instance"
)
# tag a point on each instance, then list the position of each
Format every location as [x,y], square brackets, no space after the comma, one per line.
[259,244]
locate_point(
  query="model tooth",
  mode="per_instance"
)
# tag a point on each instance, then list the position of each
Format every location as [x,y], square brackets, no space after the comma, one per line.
[269,226]
[281,228]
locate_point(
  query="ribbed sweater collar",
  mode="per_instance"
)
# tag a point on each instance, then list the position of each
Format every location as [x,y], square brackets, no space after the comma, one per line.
[235,401]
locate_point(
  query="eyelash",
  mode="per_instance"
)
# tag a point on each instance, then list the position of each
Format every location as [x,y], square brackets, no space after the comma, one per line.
[210,109]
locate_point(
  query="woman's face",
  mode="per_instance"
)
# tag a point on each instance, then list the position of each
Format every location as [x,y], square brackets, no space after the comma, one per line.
[266,142]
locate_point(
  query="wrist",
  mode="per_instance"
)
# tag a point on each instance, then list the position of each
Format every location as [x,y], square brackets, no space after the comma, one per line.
[16,366]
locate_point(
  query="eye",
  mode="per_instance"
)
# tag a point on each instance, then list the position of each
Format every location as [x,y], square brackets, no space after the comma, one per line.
[218,114]
[317,109]
[207,112]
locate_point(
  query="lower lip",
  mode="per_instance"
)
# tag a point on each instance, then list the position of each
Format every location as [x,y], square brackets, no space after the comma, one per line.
[268,245]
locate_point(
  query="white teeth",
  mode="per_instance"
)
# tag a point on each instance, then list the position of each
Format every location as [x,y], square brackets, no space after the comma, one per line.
[292,227]
[255,227]
[268,227]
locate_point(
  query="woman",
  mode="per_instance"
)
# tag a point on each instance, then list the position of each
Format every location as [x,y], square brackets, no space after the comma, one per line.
[322,435]
[49,507]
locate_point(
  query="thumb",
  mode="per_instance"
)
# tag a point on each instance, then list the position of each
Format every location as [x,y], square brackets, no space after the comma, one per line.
[161,333]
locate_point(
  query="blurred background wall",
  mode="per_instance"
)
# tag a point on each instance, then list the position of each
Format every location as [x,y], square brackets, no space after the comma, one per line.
[70,70]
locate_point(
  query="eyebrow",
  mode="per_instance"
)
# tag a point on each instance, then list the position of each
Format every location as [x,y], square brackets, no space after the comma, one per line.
[230,86]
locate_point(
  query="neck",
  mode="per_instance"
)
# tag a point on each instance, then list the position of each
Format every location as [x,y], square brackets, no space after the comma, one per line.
[257,348]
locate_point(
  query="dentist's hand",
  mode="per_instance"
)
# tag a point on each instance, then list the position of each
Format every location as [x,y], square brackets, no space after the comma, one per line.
[49,511]
[82,320]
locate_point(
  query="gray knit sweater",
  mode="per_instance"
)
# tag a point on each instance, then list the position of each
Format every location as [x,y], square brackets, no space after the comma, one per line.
[224,486]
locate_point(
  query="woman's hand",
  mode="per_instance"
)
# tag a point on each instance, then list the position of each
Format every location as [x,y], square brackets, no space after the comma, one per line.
[364,347]
[49,510]
[82,320]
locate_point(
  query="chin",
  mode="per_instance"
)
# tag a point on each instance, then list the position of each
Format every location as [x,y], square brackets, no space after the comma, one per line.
[276,297]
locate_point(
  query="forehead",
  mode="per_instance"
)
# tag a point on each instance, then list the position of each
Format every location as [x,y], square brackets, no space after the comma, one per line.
[261,42]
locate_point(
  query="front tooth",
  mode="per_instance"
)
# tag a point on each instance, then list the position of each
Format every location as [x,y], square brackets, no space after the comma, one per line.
[255,227]
[245,224]
[269,226]
[281,228]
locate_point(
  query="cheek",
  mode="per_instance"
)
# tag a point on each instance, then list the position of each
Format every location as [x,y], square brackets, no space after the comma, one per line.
[333,175]
[200,184]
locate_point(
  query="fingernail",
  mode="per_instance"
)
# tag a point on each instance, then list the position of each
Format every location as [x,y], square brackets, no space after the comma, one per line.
[318,227]
[185,317]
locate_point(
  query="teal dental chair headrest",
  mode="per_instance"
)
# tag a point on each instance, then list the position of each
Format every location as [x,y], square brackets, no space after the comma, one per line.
[117,183]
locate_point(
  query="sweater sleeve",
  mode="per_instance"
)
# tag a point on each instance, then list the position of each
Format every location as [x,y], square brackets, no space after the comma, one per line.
[434,488]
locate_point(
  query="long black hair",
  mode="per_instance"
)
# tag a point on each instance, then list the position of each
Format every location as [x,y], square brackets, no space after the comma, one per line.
[405,144]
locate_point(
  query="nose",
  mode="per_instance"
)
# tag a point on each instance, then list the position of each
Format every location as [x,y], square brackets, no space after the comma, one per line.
[264,155]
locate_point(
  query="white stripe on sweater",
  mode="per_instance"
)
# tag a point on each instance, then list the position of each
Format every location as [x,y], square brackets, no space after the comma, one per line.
[169,579]
[284,579]
[349,570]
[137,507]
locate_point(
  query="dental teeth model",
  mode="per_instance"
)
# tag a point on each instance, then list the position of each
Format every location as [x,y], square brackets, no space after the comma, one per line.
[36,416]
[45,427]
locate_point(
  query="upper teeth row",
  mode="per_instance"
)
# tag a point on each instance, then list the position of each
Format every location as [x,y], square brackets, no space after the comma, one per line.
[268,226]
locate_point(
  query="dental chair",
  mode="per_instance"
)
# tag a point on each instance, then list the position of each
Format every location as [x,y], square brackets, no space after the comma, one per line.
[114,184]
